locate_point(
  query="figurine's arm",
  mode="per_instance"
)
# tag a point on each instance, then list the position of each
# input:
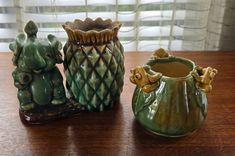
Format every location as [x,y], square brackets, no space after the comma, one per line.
[21,79]
[154,78]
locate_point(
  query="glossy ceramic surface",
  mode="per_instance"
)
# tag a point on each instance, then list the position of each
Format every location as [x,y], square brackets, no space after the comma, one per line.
[94,63]
[170,96]
[41,92]
[36,76]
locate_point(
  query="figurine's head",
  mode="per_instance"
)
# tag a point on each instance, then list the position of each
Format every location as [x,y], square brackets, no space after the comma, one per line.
[139,75]
[145,78]
[160,53]
[33,55]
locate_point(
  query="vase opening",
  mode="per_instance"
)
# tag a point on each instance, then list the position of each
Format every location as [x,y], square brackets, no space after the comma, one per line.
[174,69]
[90,32]
[96,27]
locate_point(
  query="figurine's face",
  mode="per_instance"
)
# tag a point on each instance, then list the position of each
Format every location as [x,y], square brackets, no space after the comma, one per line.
[37,57]
[139,76]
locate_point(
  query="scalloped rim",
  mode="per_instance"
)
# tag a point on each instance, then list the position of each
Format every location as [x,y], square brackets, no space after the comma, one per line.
[75,30]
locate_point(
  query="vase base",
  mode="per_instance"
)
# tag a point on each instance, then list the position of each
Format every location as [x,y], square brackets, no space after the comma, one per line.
[166,135]
[51,113]
[170,135]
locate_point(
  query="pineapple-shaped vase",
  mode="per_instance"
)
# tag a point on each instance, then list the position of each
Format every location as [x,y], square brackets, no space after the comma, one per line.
[94,62]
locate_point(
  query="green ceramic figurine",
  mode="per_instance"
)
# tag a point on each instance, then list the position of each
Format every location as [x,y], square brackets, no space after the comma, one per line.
[39,82]
[94,62]
[170,96]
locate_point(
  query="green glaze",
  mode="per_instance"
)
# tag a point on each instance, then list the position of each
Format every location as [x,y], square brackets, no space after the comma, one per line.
[41,88]
[94,64]
[36,76]
[176,107]
[94,77]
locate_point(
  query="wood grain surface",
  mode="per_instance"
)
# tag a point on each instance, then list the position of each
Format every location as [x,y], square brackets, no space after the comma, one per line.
[115,132]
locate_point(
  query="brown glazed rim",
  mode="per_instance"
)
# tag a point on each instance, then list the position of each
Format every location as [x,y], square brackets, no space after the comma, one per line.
[92,31]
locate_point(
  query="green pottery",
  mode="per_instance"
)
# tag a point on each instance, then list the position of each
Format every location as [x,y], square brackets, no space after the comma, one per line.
[170,96]
[94,63]
[36,76]
[39,82]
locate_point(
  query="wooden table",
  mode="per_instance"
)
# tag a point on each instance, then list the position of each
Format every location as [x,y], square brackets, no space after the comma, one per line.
[115,132]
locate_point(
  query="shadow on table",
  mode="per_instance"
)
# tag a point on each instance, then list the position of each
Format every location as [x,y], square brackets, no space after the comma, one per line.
[147,143]
[98,133]
[141,135]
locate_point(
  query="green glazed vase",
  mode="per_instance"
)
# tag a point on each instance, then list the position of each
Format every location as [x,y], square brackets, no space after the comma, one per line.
[170,96]
[94,63]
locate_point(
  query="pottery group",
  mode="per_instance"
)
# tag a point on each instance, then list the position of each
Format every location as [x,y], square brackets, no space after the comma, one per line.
[169,98]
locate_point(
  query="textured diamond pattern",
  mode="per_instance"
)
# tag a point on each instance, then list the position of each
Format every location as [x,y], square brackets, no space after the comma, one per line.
[94,74]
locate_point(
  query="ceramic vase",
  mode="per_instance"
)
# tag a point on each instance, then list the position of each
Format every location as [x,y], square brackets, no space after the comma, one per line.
[94,62]
[170,96]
